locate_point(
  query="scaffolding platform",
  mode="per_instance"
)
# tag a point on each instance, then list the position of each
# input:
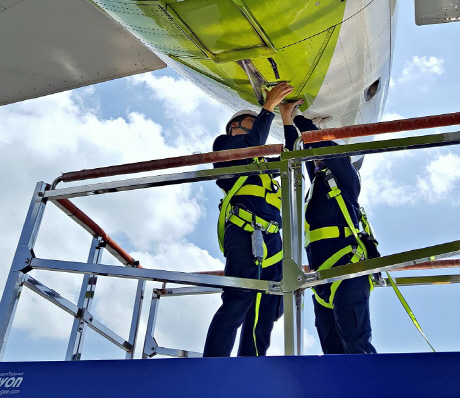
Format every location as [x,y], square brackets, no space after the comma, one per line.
[294,375]
[381,375]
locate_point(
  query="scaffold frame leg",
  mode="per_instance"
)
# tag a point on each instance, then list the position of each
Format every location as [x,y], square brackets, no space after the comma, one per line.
[138,301]
[150,344]
[21,260]
[293,276]
[85,300]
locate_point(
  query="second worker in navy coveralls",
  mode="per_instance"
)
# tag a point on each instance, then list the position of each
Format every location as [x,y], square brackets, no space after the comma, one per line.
[258,196]
[342,315]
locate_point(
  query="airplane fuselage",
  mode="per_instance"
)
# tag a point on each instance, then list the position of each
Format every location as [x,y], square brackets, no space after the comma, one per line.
[337,54]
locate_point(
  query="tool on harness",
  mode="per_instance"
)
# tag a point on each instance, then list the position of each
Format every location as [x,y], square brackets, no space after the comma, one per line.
[258,248]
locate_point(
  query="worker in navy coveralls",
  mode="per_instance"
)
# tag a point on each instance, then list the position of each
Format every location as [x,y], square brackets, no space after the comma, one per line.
[259,196]
[342,315]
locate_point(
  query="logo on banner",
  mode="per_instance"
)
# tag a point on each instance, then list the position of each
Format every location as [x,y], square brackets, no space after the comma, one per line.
[9,383]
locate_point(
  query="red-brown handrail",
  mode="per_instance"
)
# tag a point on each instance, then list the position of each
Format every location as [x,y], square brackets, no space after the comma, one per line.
[393,126]
[179,161]
[73,211]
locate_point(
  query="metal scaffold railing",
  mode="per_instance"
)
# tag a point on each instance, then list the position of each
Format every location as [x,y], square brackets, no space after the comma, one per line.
[296,277]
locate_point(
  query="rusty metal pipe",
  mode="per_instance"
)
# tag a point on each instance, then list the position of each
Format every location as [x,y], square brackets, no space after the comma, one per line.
[92,227]
[393,126]
[450,263]
[179,161]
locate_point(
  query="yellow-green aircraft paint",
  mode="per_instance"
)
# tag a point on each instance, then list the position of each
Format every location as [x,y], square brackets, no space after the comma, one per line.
[331,51]
[284,40]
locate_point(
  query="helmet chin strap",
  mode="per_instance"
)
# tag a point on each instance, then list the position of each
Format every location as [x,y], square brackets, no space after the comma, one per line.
[243,128]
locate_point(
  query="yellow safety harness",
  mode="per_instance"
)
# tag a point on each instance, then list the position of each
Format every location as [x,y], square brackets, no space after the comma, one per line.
[358,251]
[269,190]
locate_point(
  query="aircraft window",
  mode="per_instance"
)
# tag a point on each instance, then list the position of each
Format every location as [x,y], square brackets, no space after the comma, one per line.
[372,90]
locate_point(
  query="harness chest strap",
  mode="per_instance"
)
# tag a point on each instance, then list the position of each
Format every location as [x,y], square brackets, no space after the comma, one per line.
[270,190]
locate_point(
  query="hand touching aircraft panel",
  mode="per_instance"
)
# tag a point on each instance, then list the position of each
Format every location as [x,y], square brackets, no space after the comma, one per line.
[337,54]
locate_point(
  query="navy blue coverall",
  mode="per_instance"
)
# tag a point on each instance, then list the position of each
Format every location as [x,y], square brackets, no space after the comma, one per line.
[346,327]
[256,312]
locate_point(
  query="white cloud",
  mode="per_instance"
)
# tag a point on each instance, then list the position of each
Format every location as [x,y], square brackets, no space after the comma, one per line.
[179,256]
[441,178]
[182,321]
[380,183]
[420,67]
[189,109]
[179,95]
[388,116]
[44,137]
[43,318]
[406,178]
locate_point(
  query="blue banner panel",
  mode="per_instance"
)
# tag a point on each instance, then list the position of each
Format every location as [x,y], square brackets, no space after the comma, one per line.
[331,376]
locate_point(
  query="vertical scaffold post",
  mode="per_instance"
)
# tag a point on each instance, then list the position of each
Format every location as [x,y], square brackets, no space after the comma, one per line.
[298,230]
[85,301]
[293,276]
[21,261]
[139,299]
[150,343]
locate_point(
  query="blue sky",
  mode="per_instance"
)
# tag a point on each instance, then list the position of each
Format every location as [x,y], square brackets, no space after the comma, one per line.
[412,198]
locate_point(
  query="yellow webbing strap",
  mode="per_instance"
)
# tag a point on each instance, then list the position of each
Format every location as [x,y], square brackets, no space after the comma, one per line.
[272,260]
[225,208]
[336,193]
[408,309]
[269,190]
[324,233]
[360,252]
[365,223]
[328,264]
[256,319]
[244,219]
[272,198]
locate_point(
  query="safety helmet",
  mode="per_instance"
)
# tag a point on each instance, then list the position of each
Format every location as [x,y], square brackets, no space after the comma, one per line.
[237,115]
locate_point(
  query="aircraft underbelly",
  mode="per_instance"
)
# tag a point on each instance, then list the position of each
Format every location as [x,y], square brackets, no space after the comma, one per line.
[362,57]
[330,51]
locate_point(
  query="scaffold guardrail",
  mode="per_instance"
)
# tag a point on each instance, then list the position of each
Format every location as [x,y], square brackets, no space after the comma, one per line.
[295,277]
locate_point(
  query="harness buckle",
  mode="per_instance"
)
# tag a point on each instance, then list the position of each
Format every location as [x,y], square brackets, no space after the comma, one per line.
[328,175]
[359,253]
[257,226]
[272,227]
[234,210]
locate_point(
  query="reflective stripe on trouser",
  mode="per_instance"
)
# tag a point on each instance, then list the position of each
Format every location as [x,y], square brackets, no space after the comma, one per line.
[240,310]
[242,307]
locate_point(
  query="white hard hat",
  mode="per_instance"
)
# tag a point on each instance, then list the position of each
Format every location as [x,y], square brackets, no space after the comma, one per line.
[244,112]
